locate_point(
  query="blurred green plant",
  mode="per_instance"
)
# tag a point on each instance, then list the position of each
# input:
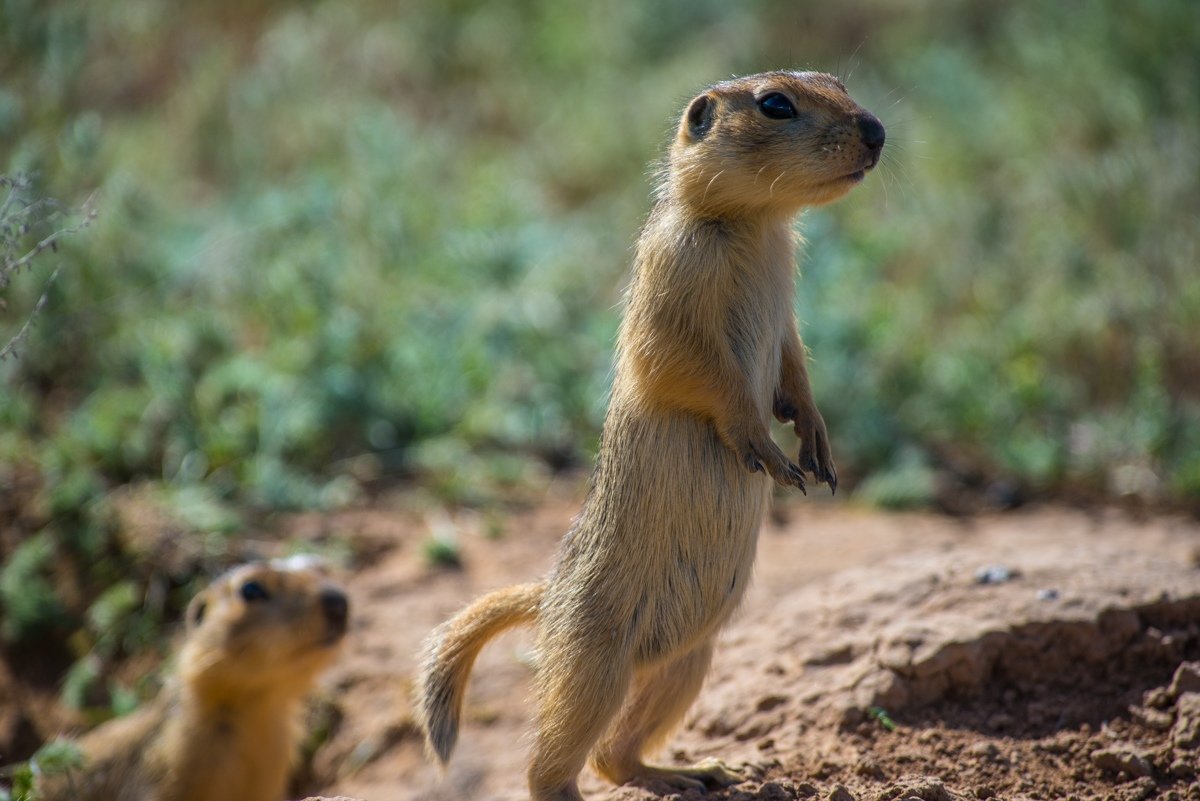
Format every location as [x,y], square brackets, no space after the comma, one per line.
[882,717]
[23,215]
[55,758]
[441,547]
[29,601]
[363,230]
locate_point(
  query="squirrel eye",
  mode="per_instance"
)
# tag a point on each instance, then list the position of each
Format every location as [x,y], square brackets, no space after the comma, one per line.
[253,591]
[776,106]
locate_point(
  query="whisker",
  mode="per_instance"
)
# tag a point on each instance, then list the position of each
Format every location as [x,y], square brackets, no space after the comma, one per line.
[854,66]
[771,191]
[710,183]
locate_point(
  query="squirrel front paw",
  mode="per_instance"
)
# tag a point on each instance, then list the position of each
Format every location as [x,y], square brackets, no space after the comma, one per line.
[815,454]
[763,453]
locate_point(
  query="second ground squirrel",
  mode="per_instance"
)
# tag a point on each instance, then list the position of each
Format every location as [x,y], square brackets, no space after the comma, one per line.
[226,728]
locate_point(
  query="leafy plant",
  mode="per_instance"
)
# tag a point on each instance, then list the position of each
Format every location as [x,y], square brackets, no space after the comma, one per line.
[442,550]
[882,717]
[55,758]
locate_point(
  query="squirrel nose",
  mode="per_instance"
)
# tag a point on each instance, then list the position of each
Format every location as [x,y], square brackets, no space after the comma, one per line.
[336,606]
[872,132]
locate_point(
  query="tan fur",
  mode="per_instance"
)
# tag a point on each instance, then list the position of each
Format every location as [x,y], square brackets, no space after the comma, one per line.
[662,551]
[227,727]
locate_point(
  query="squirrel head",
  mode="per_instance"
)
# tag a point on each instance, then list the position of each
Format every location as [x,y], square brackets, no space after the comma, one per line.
[772,142]
[264,626]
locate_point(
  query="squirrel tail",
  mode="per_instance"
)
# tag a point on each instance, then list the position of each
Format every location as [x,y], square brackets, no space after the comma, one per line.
[450,652]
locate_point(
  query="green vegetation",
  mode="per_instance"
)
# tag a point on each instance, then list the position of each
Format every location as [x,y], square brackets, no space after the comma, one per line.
[340,243]
[55,758]
[441,551]
[880,714]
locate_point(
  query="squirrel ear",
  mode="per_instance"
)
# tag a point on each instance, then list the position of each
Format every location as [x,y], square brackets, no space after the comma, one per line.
[196,610]
[698,118]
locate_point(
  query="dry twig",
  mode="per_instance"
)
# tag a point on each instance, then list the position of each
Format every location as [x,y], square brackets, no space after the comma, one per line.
[18,215]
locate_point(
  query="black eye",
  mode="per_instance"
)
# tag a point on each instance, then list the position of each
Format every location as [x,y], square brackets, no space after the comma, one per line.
[776,106]
[253,591]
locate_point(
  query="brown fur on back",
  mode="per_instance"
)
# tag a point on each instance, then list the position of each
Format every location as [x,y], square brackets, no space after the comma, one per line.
[662,551]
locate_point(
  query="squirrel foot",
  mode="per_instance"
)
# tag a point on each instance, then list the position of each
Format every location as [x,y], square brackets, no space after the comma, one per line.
[705,775]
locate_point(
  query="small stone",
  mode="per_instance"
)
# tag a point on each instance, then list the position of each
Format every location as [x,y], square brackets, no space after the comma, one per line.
[1158,698]
[932,790]
[984,750]
[918,789]
[995,574]
[1185,734]
[1154,719]
[840,793]
[1142,789]
[1047,594]
[850,717]
[1185,680]
[1121,758]
[1061,744]
[806,790]
[869,768]
[1182,768]
[774,791]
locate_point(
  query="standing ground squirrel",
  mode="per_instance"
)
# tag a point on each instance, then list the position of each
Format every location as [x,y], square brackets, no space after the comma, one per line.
[662,551]
[227,727]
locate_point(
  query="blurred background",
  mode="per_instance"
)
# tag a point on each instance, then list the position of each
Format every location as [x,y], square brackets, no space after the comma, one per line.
[347,247]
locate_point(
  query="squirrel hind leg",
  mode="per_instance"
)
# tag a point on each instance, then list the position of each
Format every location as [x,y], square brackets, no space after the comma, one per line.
[661,696]
[580,689]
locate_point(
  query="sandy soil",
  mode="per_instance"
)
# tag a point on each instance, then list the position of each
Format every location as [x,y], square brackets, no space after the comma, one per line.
[870,661]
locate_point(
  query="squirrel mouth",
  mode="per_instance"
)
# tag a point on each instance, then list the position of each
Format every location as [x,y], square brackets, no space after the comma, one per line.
[331,640]
[859,174]
[335,632]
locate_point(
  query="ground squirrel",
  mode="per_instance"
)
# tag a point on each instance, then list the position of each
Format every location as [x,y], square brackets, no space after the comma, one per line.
[662,550]
[226,727]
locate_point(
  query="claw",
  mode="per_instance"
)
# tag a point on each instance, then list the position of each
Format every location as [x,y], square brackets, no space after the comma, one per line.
[797,476]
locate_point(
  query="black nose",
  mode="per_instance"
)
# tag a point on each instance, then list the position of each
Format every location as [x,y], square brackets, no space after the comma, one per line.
[872,132]
[335,606]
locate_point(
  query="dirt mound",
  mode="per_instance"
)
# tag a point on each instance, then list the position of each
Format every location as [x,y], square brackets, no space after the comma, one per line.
[1039,675]
[1035,655]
